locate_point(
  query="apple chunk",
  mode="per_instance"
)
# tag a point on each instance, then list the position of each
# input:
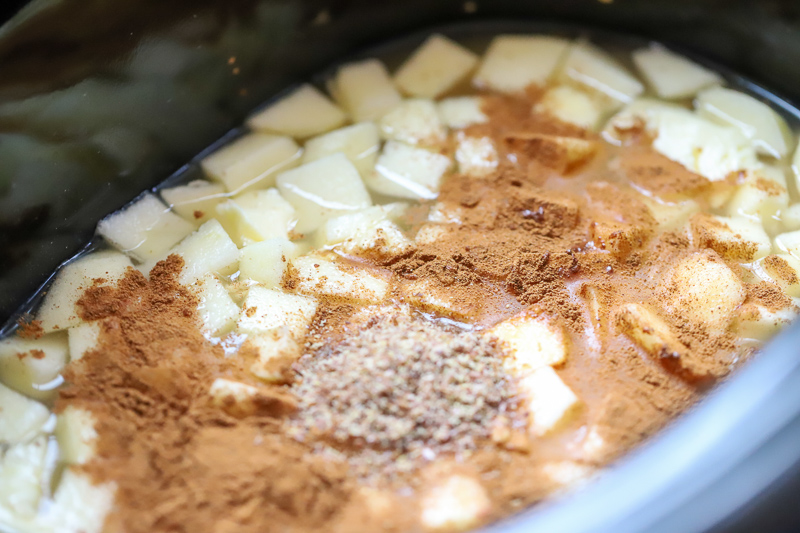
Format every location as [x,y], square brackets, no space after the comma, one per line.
[252,161]
[323,189]
[475,156]
[359,142]
[434,68]
[571,105]
[513,62]
[303,113]
[783,270]
[735,238]
[82,339]
[266,310]
[256,216]
[415,122]
[218,312]
[365,90]
[22,417]
[144,229]
[29,364]
[317,275]
[265,262]
[405,171]
[22,469]
[550,402]
[456,503]
[591,67]
[671,75]
[209,249]
[194,201]
[76,435]
[531,341]
[461,111]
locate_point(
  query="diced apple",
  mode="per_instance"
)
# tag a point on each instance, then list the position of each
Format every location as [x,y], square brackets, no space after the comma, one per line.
[194,201]
[252,161]
[22,418]
[788,243]
[414,121]
[560,153]
[76,435]
[339,229]
[359,142]
[145,229]
[79,506]
[550,402]
[317,275]
[761,196]
[276,351]
[703,289]
[405,171]
[58,309]
[476,156]
[461,111]
[266,261]
[217,311]
[256,216]
[303,113]
[22,467]
[735,238]
[671,75]
[383,240]
[207,250]
[571,105]
[591,67]
[323,189]
[422,294]
[513,62]
[670,215]
[365,90]
[29,365]
[265,310]
[434,68]
[531,341]
[790,217]
[783,270]
[756,321]
[649,331]
[82,339]
[756,120]
[456,503]
[445,213]
[567,473]
[237,399]
[430,233]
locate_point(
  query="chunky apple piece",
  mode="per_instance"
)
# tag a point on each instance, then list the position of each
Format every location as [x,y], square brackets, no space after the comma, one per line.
[359,142]
[788,243]
[405,171]
[303,113]
[276,351]
[591,67]
[323,189]
[252,161]
[256,216]
[513,62]
[735,238]
[550,402]
[365,90]
[217,311]
[567,473]
[76,435]
[531,341]
[241,400]
[430,233]
[790,218]
[316,275]
[83,339]
[434,68]
[783,270]
[422,294]
[476,156]
[382,240]
[649,331]
[265,262]
[30,365]
[671,75]
[706,148]
[22,467]
[562,154]
[265,310]
[756,321]
[703,289]
[670,215]
[194,201]
[461,111]
[571,105]
[79,506]
[456,503]
[341,228]
[414,121]
[756,120]
[762,195]
[22,418]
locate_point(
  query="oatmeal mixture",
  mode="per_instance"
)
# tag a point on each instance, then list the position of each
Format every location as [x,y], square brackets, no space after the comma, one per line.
[422,303]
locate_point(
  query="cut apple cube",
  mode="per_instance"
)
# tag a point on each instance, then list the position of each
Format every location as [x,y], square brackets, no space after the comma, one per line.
[783,270]
[560,153]
[317,275]
[265,262]
[414,121]
[567,473]
[58,310]
[265,310]
[303,113]
[359,142]
[756,321]
[571,105]
[207,250]
[339,229]
[550,402]
[22,418]
[761,196]
[476,156]
[789,243]
[703,289]
[405,171]
[756,120]
[252,161]
[82,339]
[422,294]
[31,365]
[383,240]
[531,341]
[256,216]
[670,215]
[434,68]
[649,331]
[323,189]
[145,229]
[461,111]
[22,467]
[671,75]
[194,201]
[79,506]
[591,67]
[76,435]
[513,62]
[365,90]
[735,238]
[217,311]
[790,217]
[456,503]
[276,351]
[237,399]
[430,233]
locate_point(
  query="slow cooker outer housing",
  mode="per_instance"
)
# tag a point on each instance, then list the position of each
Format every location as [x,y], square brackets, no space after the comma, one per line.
[733,464]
